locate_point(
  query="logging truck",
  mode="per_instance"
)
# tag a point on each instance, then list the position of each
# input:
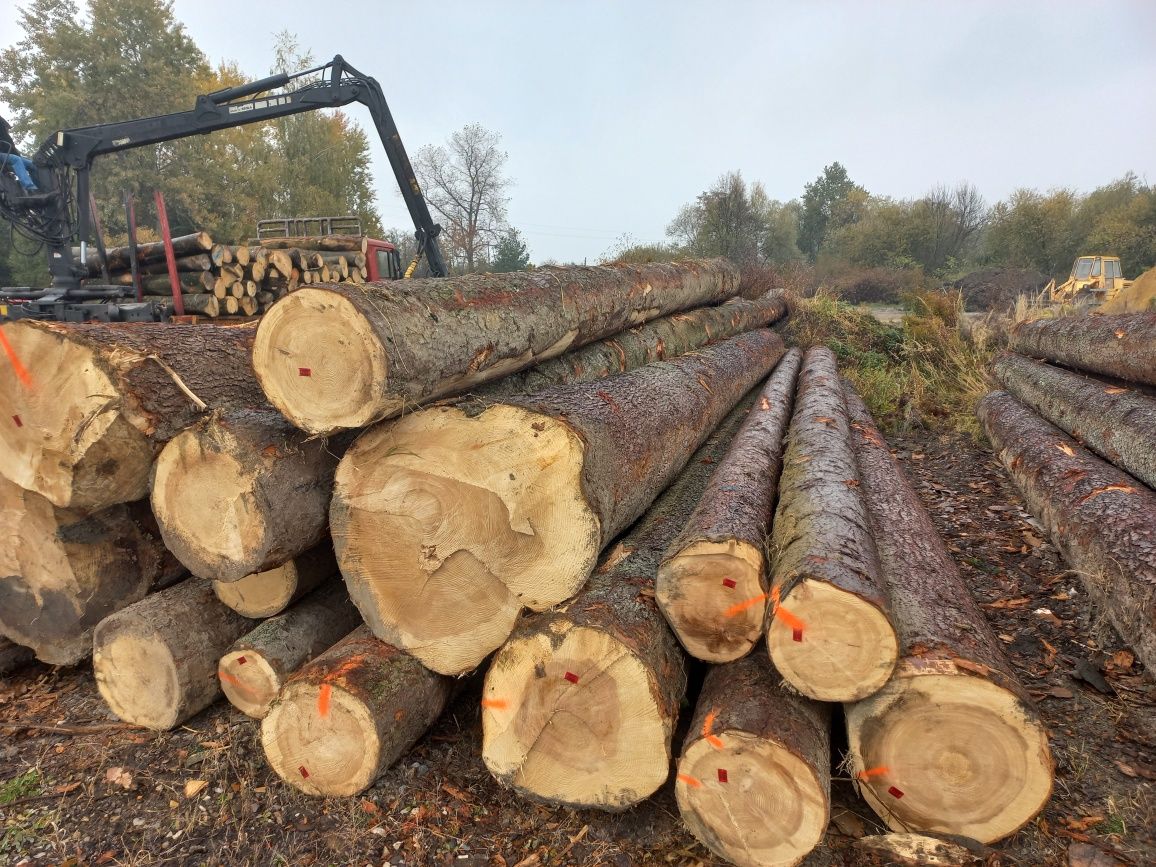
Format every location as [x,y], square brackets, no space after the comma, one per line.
[62,213]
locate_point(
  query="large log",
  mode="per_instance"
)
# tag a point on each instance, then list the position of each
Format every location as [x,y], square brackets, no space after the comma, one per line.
[712,584]
[828,629]
[97,401]
[754,779]
[334,357]
[264,594]
[119,258]
[1117,423]
[197,264]
[331,243]
[953,742]
[449,521]
[1100,518]
[580,705]
[243,492]
[257,665]
[62,571]
[155,662]
[1123,346]
[348,715]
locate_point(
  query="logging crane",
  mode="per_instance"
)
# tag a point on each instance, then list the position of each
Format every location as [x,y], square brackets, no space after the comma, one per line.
[60,215]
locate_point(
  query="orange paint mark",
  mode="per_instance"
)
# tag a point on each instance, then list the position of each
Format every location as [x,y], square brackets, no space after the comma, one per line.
[1115,389]
[1123,489]
[708,723]
[236,683]
[323,696]
[873,772]
[495,703]
[740,607]
[693,782]
[17,367]
[715,741]
[786,617]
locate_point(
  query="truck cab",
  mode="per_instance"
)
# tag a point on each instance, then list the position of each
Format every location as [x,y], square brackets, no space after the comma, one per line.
[1096,278]
[382,260]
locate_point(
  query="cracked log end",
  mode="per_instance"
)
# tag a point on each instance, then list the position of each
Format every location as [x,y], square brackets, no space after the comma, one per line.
[960,756]
[714,593]
[570,717]
[63,431]
[831,644]
[321,363]
[752,800]
[446,525]
[265,594]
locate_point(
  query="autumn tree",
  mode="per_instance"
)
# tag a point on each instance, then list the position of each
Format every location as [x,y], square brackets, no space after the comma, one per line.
[830,201]
[726,220]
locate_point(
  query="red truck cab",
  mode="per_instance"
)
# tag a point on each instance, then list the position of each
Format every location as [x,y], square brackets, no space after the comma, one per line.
[382,260]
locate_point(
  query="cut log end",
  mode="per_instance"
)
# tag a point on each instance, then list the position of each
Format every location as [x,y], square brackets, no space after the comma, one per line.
[831,644]
[249,682]
[265,594]
[753,801]
[320,363]
[571,718]
[481,512]
[137,677]
[716,594]
[960,755]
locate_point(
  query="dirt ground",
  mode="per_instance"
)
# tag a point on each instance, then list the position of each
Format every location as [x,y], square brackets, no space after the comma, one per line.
[96,792]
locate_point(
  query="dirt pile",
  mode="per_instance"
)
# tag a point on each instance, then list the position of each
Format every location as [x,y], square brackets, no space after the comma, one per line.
[1138,297]
[998,288]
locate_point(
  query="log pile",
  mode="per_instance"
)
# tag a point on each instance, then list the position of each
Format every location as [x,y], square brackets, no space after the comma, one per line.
[1076,431]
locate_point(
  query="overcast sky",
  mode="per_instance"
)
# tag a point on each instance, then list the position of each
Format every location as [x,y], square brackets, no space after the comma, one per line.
[614,114]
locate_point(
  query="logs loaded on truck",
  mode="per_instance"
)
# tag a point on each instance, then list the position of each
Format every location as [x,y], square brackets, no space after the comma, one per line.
[569,480]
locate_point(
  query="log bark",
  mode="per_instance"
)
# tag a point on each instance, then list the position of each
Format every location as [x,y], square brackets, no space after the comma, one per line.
[257,665]
[957,732]
[331,243]
[1123,346]
[580,705]
[120,260]
[658,340]
[243,491]
[13,657]
[754,783]
[712,584]
[101,399]
[185,265]
[191,284]
[828,628]
[265,594]
[1101,519]
[479,510]
[1118,424]
[348,715]
[155,662]
[62,572]
[401,346]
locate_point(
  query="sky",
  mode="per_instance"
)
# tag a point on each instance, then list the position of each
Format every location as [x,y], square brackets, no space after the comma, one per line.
[615,114]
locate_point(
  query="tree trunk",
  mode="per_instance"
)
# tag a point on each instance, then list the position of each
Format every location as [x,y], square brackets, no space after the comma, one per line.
[155,662]
[265,594]
[332,243]
[830,634]
[119,259]
[62,572]
[712,584]
[1117,423]
[103,398]
[348,715]
[958,736]
[257,664]
[221,255]
[374,349]
[754,783]
[337,264]
[580,705]
[256,271]
[1122,346]
[282,261]
[242,492]
[658,340]
[191,284]
[482,509]
[185,265]
[206,305]
[1102,520]
[13,656]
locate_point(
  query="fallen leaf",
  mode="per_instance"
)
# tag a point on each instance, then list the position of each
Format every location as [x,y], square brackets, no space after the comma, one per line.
[1122,660]
[1060,692]
[1018,602]
[1125,769]
[1046,614]
[455,792]
[1083,823]
[65,788]
[369,807]
[1032,539]
[195,787]
[118,776]
[173,805]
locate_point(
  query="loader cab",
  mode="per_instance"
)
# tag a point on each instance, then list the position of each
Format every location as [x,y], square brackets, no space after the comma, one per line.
[383,261]
[1097,278]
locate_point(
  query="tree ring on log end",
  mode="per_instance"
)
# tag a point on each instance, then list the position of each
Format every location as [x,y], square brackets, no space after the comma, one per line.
[137,677]
[249,682]
[714,593]
[961,750]
[446,525]
[321,363]
[261,594]
[751,800]
[830,644]
[332,754]
[570,717]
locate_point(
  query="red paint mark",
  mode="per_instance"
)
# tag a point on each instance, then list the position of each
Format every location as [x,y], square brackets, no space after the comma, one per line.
[740,607]
[303,772]
[729,582]
[797,635]
[304,371]
[722,775]
[241,660]
[873,772]
[495,703]
[572,677]
[323,696]
[17,367]
[610,402]
[690,781]
[16,419]
[894,792]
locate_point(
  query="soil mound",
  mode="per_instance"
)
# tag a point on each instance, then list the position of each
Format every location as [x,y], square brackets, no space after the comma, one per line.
[998,288]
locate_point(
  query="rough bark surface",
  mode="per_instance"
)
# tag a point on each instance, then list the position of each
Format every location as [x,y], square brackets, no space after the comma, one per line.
[381,701]
[735,511]
[120,258]
[755,806]
[100,399]
[618,602]
[1101,519]
[243,491]
[659,340]
[438,337]
[1118,424]
[353,243]
[1123,346]
[155,662]
[13,656]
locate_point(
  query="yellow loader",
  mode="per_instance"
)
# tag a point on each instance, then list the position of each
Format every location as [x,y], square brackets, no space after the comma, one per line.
[1095,279]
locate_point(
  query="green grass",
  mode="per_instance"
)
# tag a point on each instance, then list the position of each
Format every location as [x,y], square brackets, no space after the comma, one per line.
[26,785]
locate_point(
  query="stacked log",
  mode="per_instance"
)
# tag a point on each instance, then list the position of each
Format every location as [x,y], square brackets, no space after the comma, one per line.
[268,593]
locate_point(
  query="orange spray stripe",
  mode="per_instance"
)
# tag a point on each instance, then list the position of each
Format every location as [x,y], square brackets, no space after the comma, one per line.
[707,725]
[495,703]
[690,781]
[873,772]
[715,741]
[234,682]
[323,695]
[740,607]
[18,368]
[782,614]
